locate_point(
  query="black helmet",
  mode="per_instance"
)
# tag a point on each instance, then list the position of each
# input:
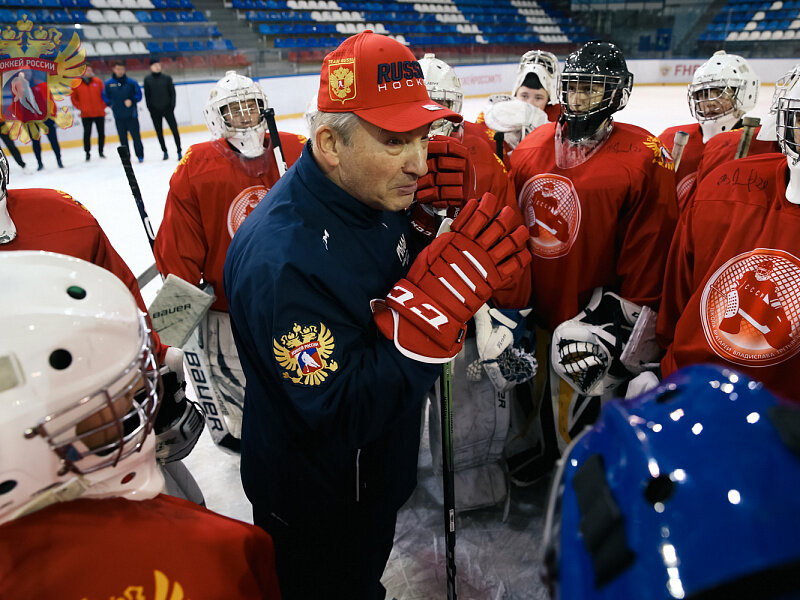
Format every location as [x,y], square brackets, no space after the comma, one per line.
[598,67]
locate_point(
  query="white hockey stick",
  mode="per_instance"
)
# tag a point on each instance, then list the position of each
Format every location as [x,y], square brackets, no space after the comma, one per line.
[749,125]
[678,145]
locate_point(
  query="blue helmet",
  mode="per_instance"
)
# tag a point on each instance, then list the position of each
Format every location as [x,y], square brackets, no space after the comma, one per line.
[690,491]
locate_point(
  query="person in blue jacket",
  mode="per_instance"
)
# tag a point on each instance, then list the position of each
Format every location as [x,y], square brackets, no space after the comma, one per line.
[340,331]
[122,94]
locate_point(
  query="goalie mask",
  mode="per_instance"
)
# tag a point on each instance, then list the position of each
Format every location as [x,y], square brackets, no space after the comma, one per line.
[235,111]
[544,65]
[595,83]
[444,87]
[688,491]
[723,89]
[7,229]
[78,386]
[787,130]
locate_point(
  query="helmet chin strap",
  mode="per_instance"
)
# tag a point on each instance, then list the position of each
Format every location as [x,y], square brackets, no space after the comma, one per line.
[8,230]
[249,143]
[793,189]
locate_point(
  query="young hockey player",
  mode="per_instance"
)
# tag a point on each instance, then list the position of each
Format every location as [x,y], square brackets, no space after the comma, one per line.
[340,332]
[214,188]
[722,91]
[80,388]
[481,390]
[730,291]
[598,198]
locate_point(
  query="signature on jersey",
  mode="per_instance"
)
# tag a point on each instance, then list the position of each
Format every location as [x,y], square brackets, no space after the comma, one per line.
[753,180]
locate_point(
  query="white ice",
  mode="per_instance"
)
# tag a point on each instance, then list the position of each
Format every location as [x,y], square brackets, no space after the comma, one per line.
[495,559]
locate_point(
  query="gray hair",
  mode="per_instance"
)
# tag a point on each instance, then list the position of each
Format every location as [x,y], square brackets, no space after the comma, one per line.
[343,124]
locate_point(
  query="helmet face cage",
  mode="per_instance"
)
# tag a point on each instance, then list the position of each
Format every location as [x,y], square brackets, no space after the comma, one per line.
[100,430]
[235,111]
[788,128]
[782,86]
[712,100]
[587,100]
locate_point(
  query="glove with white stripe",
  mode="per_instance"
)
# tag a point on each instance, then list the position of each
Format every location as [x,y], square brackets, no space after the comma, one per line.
[426,312]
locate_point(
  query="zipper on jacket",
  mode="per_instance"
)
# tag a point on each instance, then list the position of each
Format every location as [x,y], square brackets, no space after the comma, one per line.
[358,475]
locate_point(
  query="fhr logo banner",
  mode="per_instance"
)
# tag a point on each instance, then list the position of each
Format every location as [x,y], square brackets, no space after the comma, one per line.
[36,71]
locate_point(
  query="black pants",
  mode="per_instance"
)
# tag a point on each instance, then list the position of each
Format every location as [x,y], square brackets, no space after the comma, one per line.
[126,126]
[12,148]
[157,116]
[342,558]
[52,136]
[100,124]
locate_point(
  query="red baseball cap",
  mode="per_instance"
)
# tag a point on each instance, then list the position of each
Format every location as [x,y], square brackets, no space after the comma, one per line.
[380,80]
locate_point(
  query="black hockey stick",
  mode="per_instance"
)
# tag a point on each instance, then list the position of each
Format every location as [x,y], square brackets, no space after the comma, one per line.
[275,140]
[448,478]
[499,137]
[125,157]
[196,365]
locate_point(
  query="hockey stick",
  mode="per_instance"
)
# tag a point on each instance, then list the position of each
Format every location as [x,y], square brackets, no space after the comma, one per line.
[448,477]
[749,125]
[194,356]
[678,146]
[499,136]
[275,140]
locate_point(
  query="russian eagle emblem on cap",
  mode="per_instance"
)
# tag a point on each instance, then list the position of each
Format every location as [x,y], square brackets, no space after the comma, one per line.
[342,79]
[304,353]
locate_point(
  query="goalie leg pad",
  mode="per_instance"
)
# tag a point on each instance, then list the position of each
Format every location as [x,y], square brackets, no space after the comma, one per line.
[227,374]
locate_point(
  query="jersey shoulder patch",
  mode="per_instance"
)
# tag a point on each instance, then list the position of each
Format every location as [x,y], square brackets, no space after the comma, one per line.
[661,155]
[304,354]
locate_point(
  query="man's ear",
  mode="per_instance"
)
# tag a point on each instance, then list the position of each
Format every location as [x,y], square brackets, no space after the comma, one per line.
[327,147]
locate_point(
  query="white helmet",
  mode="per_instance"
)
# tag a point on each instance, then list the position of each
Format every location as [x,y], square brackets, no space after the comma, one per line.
[75,350]
[724,78]
[783,85]
[7,229]
[444,87]
[545,66]
[235,111]
[513,117]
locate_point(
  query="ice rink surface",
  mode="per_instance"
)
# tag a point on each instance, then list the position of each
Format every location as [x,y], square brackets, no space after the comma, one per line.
[495,559]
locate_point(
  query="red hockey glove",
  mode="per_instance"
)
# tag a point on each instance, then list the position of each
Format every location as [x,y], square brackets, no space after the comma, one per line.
[447,182]
[426,313]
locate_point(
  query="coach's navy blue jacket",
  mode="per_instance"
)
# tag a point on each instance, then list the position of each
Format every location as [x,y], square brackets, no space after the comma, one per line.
[116,91]
[332,408]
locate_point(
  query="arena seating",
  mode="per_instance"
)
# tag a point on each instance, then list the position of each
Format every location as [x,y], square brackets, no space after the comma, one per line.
[310,27]
[741,21]
[133,30]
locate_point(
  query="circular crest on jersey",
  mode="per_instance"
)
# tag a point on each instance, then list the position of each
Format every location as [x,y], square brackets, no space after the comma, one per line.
[750,308]
[552,213]
[243,205]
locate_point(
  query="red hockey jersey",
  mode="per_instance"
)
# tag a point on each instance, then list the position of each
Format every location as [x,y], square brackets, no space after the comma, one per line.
[690,158]
[731,289]
[54,221]
[606,222]
[158,549]
[211,192]
[722,148]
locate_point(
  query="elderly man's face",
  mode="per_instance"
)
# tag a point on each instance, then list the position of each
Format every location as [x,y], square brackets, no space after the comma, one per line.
[381,168]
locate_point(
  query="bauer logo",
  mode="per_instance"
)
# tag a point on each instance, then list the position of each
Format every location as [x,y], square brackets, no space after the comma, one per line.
[304,354]
[750,308]
[552,213]
[38,69]
[243,205]
[342,79]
